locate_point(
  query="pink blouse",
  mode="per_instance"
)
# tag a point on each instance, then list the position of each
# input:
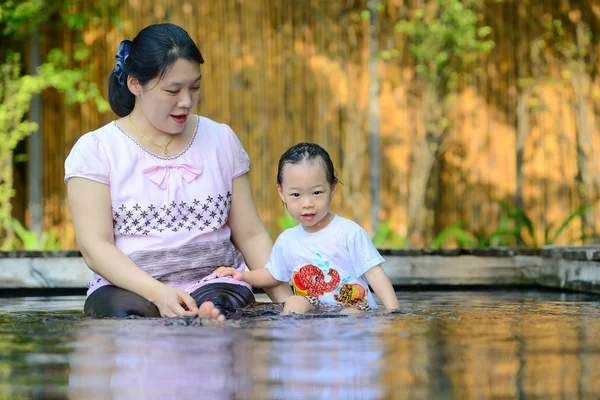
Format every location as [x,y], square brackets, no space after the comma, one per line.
[169,214]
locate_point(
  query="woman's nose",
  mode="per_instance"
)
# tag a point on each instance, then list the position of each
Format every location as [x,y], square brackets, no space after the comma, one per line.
[185,100]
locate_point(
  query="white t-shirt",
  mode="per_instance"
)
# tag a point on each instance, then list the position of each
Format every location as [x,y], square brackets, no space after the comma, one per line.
[329,264]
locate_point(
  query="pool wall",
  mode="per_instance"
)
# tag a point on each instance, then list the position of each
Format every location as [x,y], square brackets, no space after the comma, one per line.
[566,267]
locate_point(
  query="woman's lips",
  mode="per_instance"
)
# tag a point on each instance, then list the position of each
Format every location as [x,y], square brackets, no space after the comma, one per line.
[180,119]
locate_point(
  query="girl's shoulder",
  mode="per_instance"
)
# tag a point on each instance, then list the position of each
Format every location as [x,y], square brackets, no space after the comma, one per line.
[296,232]
[346,225]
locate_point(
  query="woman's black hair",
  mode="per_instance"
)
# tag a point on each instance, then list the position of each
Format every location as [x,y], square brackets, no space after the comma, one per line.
[307,152]
[151,54]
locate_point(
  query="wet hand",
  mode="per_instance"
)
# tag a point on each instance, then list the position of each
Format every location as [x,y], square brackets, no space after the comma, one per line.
[173,302]
[228,271]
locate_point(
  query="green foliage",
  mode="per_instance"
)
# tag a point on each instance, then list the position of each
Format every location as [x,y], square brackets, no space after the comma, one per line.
[506,233]
[458,234]
[446,41]
[16,93]
[47,241]
[16,16]
[18,19]
[550,238]
[387,238]
[286,221]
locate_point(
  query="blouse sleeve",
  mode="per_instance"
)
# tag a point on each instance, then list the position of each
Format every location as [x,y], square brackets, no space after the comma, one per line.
[238,158]
[88,160]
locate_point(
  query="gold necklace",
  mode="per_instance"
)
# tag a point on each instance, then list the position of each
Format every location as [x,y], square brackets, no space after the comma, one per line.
[163,147]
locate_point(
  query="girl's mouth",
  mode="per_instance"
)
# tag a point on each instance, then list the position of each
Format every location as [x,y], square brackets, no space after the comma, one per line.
[308,217]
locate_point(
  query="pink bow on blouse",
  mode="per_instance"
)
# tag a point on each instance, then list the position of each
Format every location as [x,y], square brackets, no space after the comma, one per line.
[159,174]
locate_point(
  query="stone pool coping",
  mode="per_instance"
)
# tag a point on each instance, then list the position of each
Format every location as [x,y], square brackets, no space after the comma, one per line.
[566,267]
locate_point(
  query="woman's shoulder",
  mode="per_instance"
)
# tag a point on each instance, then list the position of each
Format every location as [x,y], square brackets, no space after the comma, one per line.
[211,126]
[220,131]
[105,136]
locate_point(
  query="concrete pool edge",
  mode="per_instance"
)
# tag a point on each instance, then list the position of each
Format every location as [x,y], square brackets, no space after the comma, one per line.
[566,267]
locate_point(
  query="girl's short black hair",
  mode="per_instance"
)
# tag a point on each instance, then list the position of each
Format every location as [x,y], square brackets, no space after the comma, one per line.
[307,152]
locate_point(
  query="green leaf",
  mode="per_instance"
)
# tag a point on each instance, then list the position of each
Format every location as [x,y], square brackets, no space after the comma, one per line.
[580,211]
[454,231]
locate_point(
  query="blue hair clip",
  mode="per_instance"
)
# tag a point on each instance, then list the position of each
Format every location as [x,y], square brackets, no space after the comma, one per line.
[121,56]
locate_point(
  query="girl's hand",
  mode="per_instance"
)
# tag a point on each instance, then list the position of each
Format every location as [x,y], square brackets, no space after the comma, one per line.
[228,271]
[171,302]
[382,286]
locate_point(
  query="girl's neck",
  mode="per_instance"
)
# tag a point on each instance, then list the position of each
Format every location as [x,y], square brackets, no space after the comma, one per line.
[322,224]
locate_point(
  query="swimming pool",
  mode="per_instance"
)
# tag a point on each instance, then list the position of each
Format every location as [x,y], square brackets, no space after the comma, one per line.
[467,344]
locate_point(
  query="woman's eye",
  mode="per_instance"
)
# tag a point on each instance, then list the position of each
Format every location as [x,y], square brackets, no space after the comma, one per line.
[195,88]
[171,91]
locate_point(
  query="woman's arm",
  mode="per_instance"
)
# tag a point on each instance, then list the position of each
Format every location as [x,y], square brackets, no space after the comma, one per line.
[90,205]
[249,234]
[382,286]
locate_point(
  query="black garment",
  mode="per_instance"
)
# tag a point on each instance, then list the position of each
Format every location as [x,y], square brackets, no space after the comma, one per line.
[111,301]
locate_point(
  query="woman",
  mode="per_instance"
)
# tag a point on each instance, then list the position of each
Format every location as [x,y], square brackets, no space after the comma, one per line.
[161,197]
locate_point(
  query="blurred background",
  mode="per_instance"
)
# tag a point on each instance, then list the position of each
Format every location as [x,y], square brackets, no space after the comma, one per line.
[450,122]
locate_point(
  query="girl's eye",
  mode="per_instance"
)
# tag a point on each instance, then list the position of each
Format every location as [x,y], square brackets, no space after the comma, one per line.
[295,194]
[318,192]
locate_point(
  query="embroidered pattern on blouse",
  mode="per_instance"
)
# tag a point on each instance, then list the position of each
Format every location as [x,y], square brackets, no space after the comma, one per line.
[198,215]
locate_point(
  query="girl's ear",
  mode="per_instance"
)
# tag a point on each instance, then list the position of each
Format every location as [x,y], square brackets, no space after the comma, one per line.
[280,191]
[333,187]
[134,85]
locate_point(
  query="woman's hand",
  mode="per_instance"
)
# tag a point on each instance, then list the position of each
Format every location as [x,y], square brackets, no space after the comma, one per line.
[171,302]
[228,271]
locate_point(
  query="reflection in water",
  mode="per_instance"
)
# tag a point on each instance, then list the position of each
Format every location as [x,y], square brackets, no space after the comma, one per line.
[145,359]
[455,345]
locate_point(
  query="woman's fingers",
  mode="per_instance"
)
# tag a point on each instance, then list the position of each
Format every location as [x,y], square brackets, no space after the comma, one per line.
[189,302]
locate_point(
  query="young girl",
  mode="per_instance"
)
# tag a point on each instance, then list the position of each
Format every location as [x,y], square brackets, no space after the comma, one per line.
[329,259]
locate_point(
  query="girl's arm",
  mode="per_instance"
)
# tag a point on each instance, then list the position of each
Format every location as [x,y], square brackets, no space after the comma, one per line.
[250,236]
[382,286]
[259,278]
[90,205]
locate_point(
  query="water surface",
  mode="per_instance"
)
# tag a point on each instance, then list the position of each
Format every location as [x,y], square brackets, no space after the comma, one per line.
[498,344]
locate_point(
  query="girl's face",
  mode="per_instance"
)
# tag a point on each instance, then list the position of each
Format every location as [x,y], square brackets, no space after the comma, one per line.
[307,194]
[168,102]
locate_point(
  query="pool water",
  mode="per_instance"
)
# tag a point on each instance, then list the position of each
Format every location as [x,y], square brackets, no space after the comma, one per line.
[481,344]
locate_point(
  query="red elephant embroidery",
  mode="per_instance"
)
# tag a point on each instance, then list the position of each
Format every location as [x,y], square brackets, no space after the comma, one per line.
[310,281]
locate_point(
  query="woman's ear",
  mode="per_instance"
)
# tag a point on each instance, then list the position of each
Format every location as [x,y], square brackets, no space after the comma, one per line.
[134,85]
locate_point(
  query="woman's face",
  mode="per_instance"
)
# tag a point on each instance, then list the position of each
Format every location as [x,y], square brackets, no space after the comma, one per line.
[167,102]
